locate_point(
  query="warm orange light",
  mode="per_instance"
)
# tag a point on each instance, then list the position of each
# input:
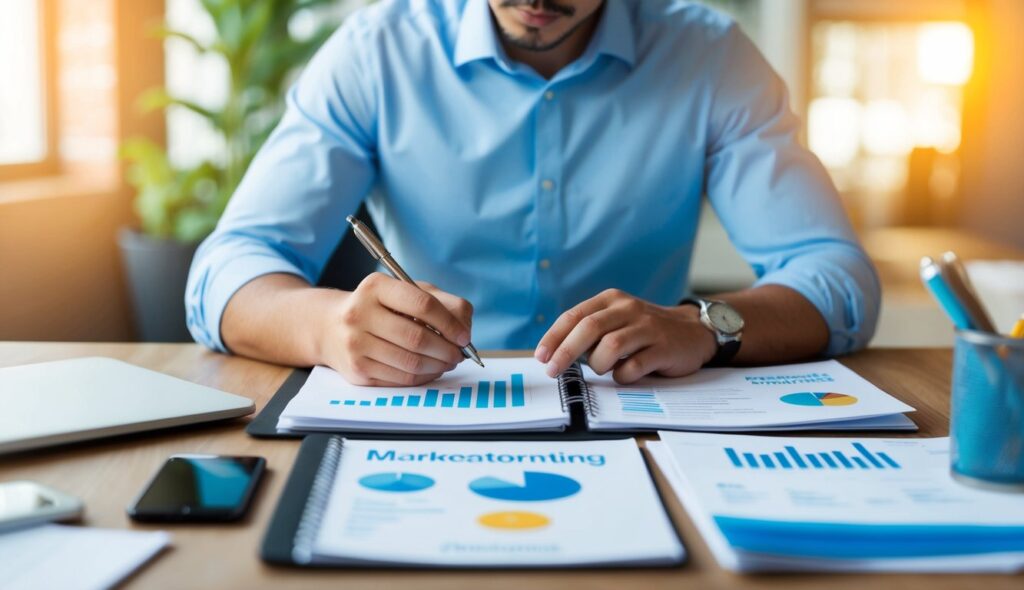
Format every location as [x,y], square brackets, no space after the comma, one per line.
[833,130]
[945,53]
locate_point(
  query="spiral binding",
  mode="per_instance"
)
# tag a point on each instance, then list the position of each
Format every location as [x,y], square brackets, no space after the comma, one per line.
[316,503]
[574,375]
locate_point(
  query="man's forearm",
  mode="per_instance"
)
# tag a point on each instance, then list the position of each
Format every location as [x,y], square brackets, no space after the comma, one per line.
[781,325]
[274,318]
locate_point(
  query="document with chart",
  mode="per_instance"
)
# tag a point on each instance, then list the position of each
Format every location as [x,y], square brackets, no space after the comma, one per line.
[484,504]
[839,504]
[510,394]
[514,394]
[820,395]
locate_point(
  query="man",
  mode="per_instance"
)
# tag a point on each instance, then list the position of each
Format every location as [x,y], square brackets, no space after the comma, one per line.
[545,160]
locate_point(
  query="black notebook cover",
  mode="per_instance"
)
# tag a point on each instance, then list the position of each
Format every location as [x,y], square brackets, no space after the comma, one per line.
[265,423]
[278,543]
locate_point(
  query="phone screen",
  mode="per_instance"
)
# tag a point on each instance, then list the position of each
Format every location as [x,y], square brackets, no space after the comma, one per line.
[200,487]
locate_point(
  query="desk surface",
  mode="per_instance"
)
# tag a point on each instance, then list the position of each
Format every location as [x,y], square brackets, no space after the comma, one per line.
[107,474]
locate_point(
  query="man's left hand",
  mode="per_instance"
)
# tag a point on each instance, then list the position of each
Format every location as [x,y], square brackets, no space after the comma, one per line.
[629,336]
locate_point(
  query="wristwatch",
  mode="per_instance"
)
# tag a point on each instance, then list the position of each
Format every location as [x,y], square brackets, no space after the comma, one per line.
[725,323]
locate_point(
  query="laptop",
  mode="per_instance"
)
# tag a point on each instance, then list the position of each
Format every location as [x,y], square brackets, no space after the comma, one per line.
[66,401]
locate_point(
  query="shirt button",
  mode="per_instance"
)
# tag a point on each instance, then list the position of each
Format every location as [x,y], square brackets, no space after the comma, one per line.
[547,184]
[549,95]
[540,318]
[545,264]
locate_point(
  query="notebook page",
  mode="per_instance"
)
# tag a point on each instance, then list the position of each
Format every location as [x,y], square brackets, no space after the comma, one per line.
[740,398]
[478,503]
[508,393]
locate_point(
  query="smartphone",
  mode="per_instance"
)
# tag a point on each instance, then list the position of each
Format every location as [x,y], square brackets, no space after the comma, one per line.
[199,488]
[24,503]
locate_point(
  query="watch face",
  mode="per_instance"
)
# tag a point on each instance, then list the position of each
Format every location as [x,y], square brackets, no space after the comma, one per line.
[724,318]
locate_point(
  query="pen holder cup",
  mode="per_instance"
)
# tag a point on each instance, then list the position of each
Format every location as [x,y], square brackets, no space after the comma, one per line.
[987,427]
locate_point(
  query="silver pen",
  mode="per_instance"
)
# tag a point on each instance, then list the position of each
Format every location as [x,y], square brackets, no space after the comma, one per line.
[376,249]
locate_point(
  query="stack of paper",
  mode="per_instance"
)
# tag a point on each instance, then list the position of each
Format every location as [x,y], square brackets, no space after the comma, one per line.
[839,504]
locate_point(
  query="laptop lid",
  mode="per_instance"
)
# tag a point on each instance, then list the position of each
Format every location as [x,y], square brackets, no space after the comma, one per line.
[59,402]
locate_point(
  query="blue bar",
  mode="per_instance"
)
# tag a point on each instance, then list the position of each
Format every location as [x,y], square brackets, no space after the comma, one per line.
[867,455]
[768,461]
[828,460]
[814,461]
[642,409]
[465,395]
[842,459]
[397,400]
[364,402]
[499,394]
[783,461]
[733,457]
[889,460]
[518,397]
[381,401]
[447,400]
[350,402]
[431,400]
[414,401]
[335,402]
[751,460]
[483,390]
[860,462]
[796,458]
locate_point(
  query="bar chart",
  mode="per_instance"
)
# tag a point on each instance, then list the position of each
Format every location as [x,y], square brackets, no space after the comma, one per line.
[791,458]
[500,394]
[640,402]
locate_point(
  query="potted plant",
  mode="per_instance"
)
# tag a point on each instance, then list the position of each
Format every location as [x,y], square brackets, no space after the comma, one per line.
[179,206]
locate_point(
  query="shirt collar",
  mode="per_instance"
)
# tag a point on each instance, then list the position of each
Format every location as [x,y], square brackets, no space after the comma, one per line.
[478,39]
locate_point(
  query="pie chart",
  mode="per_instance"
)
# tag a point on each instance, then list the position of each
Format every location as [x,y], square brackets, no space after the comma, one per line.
[537,486]
[396,482]
[818,399]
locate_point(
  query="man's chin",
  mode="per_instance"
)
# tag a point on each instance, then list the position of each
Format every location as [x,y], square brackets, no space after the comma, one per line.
[532,40]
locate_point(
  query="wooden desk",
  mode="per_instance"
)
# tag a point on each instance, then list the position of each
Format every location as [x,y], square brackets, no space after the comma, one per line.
[108,474]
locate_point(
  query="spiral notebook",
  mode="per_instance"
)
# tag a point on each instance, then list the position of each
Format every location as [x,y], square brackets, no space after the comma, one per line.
[515,395]
[470,504]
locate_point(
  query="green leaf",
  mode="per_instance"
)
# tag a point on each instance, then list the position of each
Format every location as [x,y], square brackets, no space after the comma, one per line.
[165,33]
[252,36]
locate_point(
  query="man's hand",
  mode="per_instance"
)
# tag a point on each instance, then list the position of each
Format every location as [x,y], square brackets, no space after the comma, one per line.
[371,338]
[629,336]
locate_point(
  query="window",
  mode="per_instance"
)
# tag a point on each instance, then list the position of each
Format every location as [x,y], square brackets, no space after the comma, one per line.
[887,84]
[23,113]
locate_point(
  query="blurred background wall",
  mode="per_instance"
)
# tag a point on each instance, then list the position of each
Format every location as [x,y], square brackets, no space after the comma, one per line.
[913,105]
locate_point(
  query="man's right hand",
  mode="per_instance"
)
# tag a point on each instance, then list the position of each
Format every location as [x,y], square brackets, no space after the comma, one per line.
[369,336]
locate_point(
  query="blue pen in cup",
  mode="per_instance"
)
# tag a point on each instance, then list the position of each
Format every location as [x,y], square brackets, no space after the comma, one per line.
[987,413]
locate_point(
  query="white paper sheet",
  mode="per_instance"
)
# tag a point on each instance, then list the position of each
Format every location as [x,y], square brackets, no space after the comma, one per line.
[725,399]
[895,509]
[70,558]
[495,503]
[467,398]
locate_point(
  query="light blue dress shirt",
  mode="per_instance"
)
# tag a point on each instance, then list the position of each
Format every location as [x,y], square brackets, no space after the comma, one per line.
[527,196]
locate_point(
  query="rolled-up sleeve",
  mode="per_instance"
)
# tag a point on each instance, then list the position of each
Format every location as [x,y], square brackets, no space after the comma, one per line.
[288,213]
[777,202]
